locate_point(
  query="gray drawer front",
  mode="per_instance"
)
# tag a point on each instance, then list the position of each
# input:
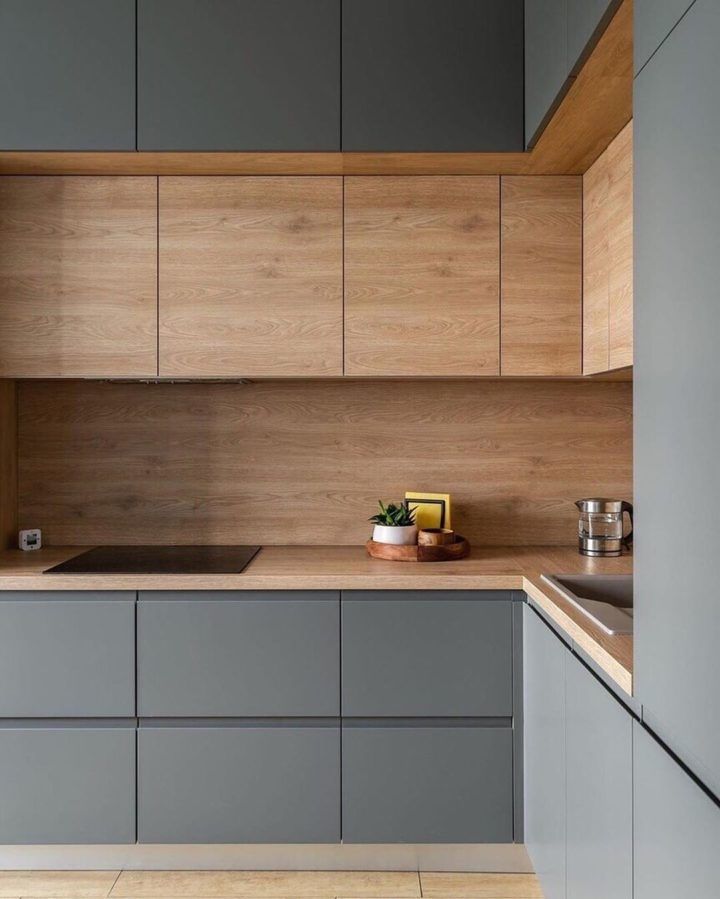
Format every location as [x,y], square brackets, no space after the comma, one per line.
[426,654]
[427,784]
[258,655]
[239,784]
[66,784]
[62,656]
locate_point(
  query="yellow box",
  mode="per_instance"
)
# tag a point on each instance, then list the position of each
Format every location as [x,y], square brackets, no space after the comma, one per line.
[432,509]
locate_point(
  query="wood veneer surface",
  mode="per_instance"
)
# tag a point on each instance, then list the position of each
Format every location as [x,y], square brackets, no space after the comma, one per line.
[8,464]
[306,461]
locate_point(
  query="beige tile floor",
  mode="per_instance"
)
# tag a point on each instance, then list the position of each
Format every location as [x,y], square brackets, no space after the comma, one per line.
[264,885]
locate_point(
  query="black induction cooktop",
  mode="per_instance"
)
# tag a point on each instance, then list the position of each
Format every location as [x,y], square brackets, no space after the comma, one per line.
[158,560]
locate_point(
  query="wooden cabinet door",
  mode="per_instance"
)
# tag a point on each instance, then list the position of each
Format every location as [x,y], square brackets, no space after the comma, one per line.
[78,277]
[541,275]
[250,276]
[422,275]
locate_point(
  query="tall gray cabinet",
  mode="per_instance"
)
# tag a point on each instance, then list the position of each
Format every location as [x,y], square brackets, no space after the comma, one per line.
[677,384]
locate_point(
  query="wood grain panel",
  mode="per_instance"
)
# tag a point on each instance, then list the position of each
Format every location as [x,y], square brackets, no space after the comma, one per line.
[78,291]
[608,258]
[421,276]
[250,276]
[8,464]
[306,461]
[541,275]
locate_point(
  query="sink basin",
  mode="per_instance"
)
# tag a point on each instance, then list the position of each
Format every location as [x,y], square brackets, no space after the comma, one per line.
[606,599]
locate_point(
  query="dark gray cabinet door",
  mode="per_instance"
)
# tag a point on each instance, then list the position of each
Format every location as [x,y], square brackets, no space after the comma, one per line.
[546,66]
[421,783]
[67,655]
[67,71]
[583,18]
[426,653]
[653,20]
[238,75]
[239,654]
[432,75]
[544,752]
[239,784]
[676,828]
[66,784]
[677,383]
[599,789]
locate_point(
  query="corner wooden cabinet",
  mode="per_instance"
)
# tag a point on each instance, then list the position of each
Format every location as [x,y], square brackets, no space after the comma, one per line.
[422,271]
[250,273]
[78,277]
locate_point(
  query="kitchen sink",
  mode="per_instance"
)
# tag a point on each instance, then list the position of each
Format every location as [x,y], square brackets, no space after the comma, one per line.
[606,599]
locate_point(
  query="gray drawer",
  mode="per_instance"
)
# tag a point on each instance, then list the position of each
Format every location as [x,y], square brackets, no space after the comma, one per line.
[427,784]
[239,783]
[238,654]
[67,655]
[65,784]
[426,653]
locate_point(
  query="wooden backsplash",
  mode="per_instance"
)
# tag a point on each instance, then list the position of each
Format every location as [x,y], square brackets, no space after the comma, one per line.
[305,461]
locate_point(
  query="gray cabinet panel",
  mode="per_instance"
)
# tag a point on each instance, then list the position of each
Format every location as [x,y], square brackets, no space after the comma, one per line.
[68,75]
[427,784]
[424,654]
[676,385]
[599,789]
[583,17]
[432,75]
[253,655]
[239,75]
[544,752]
[67,785]
[653,20]
[546,66]
[676,828]
[65,657]
[239,784]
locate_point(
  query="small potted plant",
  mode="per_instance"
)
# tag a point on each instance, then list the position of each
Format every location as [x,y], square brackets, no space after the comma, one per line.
[395,524]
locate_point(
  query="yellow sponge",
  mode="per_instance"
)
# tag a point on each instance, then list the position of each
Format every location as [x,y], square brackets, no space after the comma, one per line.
[433,509]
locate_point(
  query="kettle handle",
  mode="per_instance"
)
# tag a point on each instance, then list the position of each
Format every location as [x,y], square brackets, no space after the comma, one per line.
[628,538]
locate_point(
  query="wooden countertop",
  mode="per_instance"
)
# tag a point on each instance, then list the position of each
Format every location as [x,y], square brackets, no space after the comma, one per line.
[349,568]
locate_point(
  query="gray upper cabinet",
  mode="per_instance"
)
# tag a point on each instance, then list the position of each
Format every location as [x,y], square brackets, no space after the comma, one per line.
[238,75]
[653,20]
[676,828]
[545,60]
[599,789]
[238,653]
[544,750]
[67,71]
[584,18]
[431,75]
[677,382]
[426,653]
[67,655]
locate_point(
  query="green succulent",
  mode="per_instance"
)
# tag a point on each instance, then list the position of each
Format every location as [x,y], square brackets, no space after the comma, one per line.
[395,516]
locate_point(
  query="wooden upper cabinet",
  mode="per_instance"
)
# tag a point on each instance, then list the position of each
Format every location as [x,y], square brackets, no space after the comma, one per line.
[422,275]
[541,275]
[608,258]
[250,276]
[78,281]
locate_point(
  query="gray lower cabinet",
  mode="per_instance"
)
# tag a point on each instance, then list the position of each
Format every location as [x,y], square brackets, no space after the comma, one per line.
[238,75]
[239,654]
[544,659]
[546,67]
[67,71]
[67,783]
[676,386]
[239,783]
[676,828]
[427,653]
[424,783]
[599,789]
[67,654]
[653,20]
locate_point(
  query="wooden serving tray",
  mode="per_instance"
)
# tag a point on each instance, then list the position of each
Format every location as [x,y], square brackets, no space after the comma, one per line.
[416,553]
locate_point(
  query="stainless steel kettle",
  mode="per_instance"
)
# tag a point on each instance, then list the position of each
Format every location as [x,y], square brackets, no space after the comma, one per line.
[600,526]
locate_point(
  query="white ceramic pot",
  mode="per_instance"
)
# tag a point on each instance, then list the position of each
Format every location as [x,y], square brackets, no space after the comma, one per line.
[400,536]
